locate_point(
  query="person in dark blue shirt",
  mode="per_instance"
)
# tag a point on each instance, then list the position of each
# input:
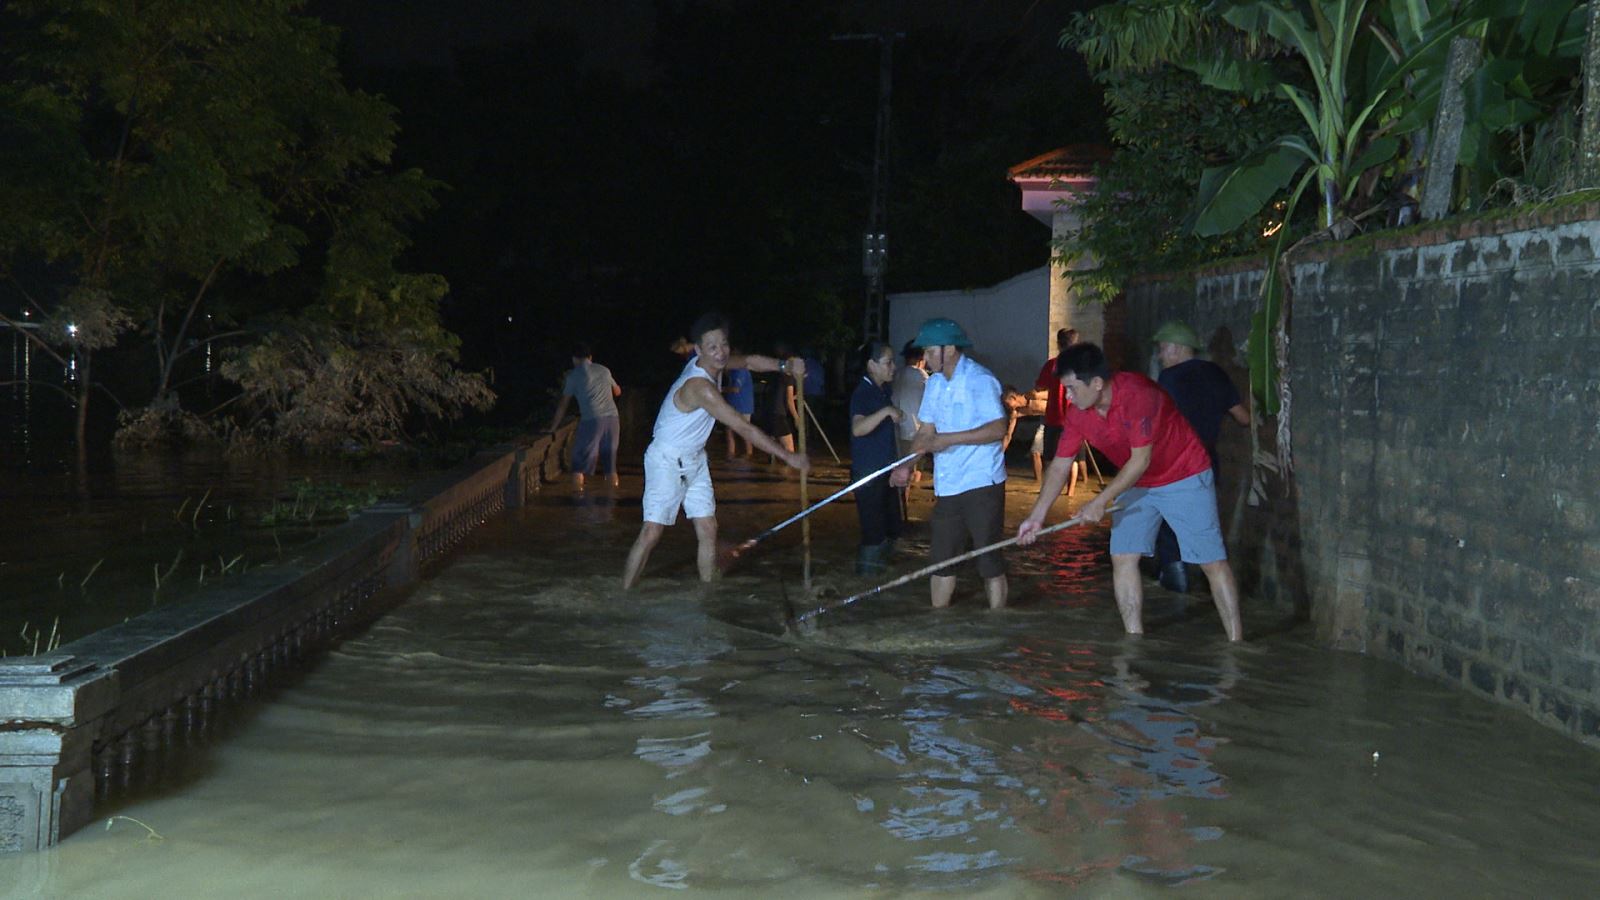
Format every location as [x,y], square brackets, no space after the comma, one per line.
[740,391]
[873,417]
[1205,395]
[813,384]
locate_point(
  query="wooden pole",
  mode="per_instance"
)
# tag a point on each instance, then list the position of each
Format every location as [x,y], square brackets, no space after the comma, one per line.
[1088,453]
[832,452]
[805,500]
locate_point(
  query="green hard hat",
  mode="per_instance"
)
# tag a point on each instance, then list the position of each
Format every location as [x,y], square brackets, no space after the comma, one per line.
[942,333]
[1173,331]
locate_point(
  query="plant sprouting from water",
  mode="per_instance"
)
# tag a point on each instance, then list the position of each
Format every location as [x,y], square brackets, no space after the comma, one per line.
[151,835]
[324,503]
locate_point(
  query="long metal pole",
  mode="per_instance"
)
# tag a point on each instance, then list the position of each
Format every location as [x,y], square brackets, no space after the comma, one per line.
[925,570]
[734,553]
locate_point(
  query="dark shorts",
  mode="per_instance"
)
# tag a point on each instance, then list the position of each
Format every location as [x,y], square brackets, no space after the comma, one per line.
[966,521]
[1052,437]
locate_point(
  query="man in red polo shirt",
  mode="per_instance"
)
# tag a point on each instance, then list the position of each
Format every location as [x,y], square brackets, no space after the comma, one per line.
[1165,475]
[1055,404]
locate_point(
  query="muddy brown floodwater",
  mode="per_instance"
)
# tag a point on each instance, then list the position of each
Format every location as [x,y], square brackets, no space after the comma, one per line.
[519,726]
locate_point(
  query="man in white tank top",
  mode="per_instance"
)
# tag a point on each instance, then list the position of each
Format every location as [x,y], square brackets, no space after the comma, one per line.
[675,472]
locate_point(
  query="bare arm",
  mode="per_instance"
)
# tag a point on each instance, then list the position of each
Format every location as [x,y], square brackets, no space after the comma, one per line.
[861,426]
[758,363]
[1011,428]
[561,410]
[1240,414]
[616,389]
[901,476]
[698,393]
[1056,478]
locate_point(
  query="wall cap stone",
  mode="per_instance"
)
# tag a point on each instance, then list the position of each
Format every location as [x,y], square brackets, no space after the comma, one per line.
[1431,234]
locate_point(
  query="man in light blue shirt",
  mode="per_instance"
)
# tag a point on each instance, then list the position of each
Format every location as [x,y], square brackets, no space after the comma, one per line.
[962,425]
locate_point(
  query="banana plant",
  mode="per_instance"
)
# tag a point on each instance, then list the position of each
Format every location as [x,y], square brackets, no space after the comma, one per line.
[1336,143]
[1352,90]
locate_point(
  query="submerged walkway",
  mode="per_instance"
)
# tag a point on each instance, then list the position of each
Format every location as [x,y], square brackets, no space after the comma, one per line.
[521,726]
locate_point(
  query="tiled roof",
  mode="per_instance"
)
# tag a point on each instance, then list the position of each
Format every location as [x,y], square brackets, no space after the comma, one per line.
[1071,161]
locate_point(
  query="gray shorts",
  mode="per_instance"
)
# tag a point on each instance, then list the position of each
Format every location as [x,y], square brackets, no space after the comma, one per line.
[1189,506]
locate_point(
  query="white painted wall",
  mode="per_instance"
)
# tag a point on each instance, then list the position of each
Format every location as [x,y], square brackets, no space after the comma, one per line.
[1065,310]
[1010,323]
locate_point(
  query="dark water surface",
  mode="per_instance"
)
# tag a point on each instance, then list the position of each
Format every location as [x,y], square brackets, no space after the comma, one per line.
[519,726]
[155,529]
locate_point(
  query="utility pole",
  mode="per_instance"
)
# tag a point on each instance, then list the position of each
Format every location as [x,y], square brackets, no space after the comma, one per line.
[875,240]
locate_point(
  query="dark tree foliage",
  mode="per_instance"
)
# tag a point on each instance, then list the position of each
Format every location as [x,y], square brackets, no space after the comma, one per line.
[1168,127]
[178,176]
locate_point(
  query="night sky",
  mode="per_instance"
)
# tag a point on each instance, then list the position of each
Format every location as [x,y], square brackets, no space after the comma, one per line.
[616,167]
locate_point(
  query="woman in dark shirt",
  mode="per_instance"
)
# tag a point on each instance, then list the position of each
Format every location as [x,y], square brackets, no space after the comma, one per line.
[872,419]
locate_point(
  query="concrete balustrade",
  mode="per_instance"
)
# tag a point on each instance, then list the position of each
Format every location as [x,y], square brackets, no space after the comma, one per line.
[106,713]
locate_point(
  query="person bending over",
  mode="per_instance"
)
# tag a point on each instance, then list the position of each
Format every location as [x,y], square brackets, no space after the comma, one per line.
[675,470]
[1165,475]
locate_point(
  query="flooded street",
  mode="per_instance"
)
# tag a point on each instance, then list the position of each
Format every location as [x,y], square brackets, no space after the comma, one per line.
[519,726]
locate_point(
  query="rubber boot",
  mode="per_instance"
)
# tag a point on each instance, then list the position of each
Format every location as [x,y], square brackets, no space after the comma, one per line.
[870,560]
[1174,577]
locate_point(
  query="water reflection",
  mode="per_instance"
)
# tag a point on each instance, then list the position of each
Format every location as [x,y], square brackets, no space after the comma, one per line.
[1159,751]
[520,721]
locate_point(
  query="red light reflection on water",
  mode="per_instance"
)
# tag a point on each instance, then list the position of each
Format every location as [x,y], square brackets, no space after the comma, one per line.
[1073,567]
[1063,673]
[1121,748]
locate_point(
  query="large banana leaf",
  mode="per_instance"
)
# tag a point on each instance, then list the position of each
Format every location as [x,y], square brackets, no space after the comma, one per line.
[1261,353]
[1231,194]
[1252,78]
[1377,153]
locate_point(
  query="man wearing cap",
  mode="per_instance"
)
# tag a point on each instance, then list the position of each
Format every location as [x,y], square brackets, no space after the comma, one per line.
[599,428]
[1165,475]
[962,424]
[675,472]
[1206,396]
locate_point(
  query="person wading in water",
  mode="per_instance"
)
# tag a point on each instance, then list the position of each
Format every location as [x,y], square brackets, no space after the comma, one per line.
[873,418]
[675,470]
[1165,475]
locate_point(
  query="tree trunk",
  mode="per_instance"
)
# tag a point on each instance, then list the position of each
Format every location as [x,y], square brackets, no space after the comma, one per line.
[85,358]
[1589,136]
[1439,178]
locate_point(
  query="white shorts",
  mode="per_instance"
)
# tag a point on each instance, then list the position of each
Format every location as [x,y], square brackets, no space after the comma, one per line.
[671,481]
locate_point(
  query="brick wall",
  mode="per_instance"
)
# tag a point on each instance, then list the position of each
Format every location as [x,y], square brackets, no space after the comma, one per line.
[1444,510]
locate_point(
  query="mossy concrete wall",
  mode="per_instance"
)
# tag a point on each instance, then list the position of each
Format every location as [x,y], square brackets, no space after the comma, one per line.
[1444,507]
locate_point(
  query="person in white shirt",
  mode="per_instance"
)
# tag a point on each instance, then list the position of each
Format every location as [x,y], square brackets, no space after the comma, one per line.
[675,471]
[906,394]
[962,425]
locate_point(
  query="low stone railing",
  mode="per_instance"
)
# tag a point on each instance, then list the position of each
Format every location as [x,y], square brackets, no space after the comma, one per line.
[109,712]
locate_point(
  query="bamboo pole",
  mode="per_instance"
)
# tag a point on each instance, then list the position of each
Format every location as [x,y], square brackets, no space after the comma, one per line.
[805,499]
